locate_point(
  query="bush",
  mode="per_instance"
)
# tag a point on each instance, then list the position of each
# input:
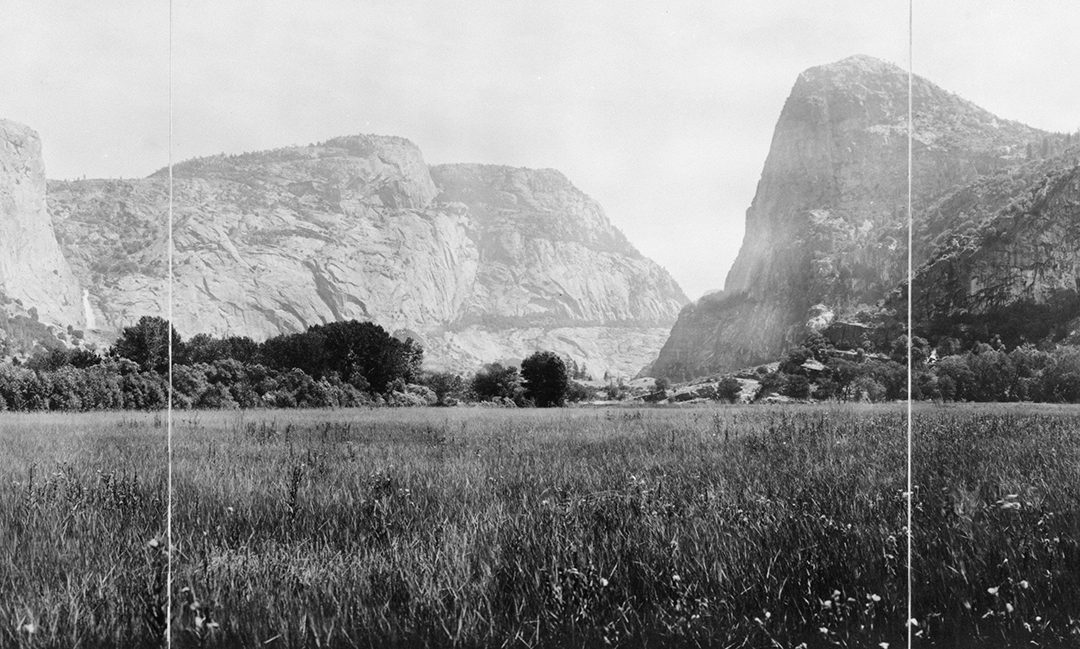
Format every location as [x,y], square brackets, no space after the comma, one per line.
[578,392]
[616,391]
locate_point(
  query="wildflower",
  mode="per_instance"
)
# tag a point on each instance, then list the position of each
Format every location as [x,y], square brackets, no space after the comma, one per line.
[874,598]
[230,510]
[993,590]
[29,628]
[836,595]
[1010,502]
[153,543]
[1008,607]
[1024,584]
[826,603]
[823,631]
[603,582]
[883,645]
[678,578]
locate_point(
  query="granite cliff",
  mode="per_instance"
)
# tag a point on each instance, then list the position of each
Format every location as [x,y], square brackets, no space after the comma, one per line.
[1004,255]
[479,263]
[33,269]
[825,234]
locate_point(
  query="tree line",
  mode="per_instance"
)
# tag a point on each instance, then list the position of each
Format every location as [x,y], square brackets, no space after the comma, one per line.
[340,364]
[984,372]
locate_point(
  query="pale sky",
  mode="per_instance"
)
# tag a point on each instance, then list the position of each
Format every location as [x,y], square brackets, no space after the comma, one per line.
[661,111]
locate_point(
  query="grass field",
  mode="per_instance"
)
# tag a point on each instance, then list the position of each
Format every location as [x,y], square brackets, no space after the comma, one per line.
[733,526]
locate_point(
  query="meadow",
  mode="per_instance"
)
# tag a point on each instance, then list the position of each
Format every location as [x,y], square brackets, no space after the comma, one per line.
[724,526]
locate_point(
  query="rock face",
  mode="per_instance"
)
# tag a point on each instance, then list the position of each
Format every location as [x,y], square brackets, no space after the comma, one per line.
[479,263]
[1007,260]
[826,232]
[32,268]
[114,235]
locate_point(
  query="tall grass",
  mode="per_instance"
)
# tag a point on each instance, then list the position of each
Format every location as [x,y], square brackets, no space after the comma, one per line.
[81,499]
[719,527]
[997,527]
[545,528]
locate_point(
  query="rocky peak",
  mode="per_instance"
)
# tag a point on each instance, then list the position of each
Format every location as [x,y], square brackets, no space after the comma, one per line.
[389,170]
[827,226]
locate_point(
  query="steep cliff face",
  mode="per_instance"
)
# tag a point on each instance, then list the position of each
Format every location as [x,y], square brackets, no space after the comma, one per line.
[549,256]
[479,263]
[1008,260]
[32,268]
[113,234]
[826,231]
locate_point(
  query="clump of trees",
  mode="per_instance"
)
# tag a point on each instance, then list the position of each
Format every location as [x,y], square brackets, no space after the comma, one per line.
[335,365]
[499,384]
[543,380]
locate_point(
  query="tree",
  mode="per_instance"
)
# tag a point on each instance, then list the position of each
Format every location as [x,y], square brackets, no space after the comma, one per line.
[496,381]
[204,348]
[818,345]
[546,379]
[961,380]
[728,389]
[447,386]
[794,359]
[797,386]
[362,354]
[364,349]
[865,387]
[994,374]
[771,382]
[147,343]
[57,357]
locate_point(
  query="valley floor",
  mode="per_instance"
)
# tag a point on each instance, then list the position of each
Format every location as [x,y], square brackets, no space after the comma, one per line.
[716,526]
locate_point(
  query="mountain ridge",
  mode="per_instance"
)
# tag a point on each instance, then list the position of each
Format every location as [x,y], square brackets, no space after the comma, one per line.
[478,262]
